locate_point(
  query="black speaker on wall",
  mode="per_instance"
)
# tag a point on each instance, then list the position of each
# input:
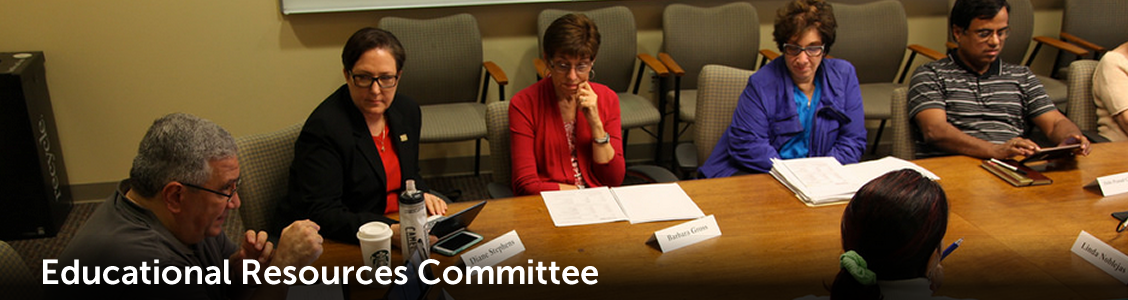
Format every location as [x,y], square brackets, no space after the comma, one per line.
[34,196]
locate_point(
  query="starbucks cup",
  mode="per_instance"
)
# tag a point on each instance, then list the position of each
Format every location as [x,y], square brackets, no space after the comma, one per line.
[375,244]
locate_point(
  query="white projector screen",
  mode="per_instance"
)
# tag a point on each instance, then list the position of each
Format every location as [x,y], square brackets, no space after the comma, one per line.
[318,6]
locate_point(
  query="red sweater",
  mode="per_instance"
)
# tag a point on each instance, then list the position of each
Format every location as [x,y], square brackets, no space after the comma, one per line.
[541,159]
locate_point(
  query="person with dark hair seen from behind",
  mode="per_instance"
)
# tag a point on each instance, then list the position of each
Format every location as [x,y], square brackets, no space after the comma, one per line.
[359,146]
[972,103]
[802,104]
[892,232]
[170,213]
[565,130]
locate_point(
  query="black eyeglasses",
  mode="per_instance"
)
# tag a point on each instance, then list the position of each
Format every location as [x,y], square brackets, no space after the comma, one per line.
[384,81]
[812,51]
[234,189]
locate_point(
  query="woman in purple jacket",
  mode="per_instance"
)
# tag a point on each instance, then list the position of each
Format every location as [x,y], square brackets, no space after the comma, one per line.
[798,105]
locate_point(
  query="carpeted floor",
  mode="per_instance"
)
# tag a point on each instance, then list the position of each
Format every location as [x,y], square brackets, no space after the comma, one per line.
[33,251]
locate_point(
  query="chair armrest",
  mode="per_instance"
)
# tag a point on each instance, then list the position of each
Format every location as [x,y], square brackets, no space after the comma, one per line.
[1062,45]
[499,191]
[496,72]
[672,65]
[654,64]
[951,45]
[769,54]
[1094,137]
[927,52]
[1084,43]
[652,173]
[542,68]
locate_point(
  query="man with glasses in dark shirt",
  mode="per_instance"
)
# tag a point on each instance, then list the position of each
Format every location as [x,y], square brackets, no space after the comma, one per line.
[169,215]
[975,104]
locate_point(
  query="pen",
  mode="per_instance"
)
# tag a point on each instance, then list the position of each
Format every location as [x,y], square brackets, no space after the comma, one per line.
[951,248]
[1122,226]
[1008,166]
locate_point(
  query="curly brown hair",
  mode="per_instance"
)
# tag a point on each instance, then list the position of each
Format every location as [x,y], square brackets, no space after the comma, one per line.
[796,16]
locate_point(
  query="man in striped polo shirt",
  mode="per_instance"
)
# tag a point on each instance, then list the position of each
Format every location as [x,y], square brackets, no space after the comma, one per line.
[974,104]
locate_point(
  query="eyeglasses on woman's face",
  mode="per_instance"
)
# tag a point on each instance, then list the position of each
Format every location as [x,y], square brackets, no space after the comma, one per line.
[365,81]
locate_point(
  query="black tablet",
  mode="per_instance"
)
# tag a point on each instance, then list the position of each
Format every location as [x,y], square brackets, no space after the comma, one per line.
[451,224]
[1051,153]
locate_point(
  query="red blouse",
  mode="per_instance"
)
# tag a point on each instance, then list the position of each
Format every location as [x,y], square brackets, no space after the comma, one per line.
[539,145]
[391,169]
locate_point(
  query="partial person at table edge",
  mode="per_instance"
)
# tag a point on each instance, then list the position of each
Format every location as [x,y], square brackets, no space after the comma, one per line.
[1110,89]
[802,104]
[565,130]
[892,234]
[170,214]
[359,146]
[973,103]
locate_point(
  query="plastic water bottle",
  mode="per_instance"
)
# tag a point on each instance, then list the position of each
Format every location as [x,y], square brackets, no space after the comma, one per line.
[413,222]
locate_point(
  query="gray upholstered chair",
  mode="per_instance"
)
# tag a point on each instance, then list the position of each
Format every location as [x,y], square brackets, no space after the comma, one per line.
[718,92]
[1081,99]
[16,279]
[694,37]
[614,65]
[1096,25]
[904,147]
[443,71]
[264,163]
[1021,18]
[873,37]
[497,128]
[497,124]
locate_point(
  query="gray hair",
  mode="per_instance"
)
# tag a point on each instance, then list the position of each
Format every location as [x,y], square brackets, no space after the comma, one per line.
[178,147]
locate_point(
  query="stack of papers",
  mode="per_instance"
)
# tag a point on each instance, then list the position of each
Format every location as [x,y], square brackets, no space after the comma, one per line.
[822,180]
[637,204]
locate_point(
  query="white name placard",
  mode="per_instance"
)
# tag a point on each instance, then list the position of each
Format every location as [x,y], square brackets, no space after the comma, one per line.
[1112,184]
[1102,255]
[495,251]
[687,233]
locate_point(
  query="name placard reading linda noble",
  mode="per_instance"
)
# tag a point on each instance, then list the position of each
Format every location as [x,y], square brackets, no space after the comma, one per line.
[1102,255]
[495,251]
[687,233]
[1111,184]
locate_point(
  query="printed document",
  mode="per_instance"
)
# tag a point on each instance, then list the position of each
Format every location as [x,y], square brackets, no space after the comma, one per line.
[637,204]
[822,180]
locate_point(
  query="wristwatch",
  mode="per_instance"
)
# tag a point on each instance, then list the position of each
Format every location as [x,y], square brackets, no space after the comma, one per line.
[606,139]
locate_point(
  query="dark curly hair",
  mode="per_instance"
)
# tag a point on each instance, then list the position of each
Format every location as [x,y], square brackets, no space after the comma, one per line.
[796,16]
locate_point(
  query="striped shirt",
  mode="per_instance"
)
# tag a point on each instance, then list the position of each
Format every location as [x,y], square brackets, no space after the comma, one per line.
[995,106]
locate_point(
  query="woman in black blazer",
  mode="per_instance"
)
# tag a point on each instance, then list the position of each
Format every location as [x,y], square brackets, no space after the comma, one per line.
[358,146]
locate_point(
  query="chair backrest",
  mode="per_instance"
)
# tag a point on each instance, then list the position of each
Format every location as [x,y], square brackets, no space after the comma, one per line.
[497,128]
[444,57]
[903,145]
[725,35]
[615,62]
[16,279]
[1101,22]
[873,37]
[718,92]
[264,161]
[1082,109]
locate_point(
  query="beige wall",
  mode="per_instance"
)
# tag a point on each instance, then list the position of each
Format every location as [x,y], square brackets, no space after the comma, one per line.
[113,66]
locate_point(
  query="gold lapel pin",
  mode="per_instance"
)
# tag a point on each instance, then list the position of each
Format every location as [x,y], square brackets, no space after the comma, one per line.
[403,137]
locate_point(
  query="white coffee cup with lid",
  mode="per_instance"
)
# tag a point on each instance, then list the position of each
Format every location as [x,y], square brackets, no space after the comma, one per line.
[375,244]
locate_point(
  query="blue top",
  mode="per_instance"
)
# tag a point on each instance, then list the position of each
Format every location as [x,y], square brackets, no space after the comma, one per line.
[799,146]
[766,118]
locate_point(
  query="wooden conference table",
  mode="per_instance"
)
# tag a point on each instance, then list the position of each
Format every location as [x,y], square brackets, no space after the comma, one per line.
[1016,241]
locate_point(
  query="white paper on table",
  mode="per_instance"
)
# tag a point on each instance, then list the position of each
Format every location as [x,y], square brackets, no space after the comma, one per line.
[582,207]
[815,177]
[656,202]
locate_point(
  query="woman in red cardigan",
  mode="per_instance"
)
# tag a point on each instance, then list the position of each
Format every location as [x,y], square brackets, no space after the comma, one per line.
[565,130]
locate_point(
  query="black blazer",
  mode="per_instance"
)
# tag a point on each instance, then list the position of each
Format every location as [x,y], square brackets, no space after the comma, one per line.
[337,178]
